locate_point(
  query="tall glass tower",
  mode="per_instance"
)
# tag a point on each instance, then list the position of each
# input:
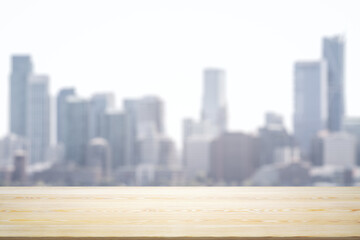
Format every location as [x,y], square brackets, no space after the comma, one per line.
[61,113]
[214,99]
[311,111]
[38,119]
[333,53]
[77,130]
[21,70]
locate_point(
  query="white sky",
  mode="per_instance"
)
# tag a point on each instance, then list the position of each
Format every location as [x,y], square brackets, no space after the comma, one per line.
[135,47]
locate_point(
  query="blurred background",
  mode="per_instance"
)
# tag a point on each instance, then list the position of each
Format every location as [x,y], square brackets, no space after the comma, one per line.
[169,93]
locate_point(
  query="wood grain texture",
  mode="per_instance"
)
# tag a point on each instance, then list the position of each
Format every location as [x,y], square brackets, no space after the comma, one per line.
[179,212]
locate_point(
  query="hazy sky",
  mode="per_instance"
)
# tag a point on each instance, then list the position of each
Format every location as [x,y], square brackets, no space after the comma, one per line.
[136,48]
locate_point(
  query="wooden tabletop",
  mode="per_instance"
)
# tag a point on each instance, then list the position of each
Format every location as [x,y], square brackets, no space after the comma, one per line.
[178,212]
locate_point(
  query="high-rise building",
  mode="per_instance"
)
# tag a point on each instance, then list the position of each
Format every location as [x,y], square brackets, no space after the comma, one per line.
[197,156]
[61,112]
[38,118]
[284,154]
[167,153]
[130,107]
[272,136]
[99,158]
[214,99]
[148,146]
[77,131]
[317,148]
[113,129]
[333,53]
[143,114]
[197,135]
[311,110]
[294,174]
[272,118]
[233,157]
[340,150]
[8,146]
[154,152]
[19,174]
[191,127]
[150,110]
[352,125]
[99,103]
[21,70]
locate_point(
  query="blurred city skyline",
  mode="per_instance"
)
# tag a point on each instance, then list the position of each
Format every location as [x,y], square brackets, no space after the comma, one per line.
[180,93]
[160,48]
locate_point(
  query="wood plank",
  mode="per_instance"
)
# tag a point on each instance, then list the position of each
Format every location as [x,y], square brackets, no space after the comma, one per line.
[179,212]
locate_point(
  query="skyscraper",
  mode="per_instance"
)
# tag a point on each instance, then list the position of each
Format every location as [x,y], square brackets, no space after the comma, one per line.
[148,147]
[130,107]
[20,166]
[272,137]
[113,129]
[150,110]
[99,103]
[333,53]
[340,150]
[196,156]
[8,146]
[77,115]
[38,117]
[233,157]
[272,118]
[167,152]
[311,110]
[99,158]
[351,125]
[142,114]
[21,70]
[197,135]
[214,99]
[61,112]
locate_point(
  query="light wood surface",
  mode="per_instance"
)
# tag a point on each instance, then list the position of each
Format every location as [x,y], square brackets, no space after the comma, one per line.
[169,212]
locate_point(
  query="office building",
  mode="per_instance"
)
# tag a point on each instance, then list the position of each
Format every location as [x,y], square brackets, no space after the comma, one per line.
[311,109]
[340,150]
[272,136]
[155,149]
[38,118]
[148,146]
[150,110]
[130,109]
[333,52]
[99,103]
[351,125]
[197,156]
[114,129]
[192,127]
[19,175]
[99,158]
[167,153]
[21,70]
[233,157]
[143,114]
[284,154]
[214,108]
[8,146]
[317,148]
[61,112]
[77,115]
[272,118]
[295,173]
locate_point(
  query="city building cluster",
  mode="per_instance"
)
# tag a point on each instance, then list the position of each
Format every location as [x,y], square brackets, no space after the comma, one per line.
[99,144]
